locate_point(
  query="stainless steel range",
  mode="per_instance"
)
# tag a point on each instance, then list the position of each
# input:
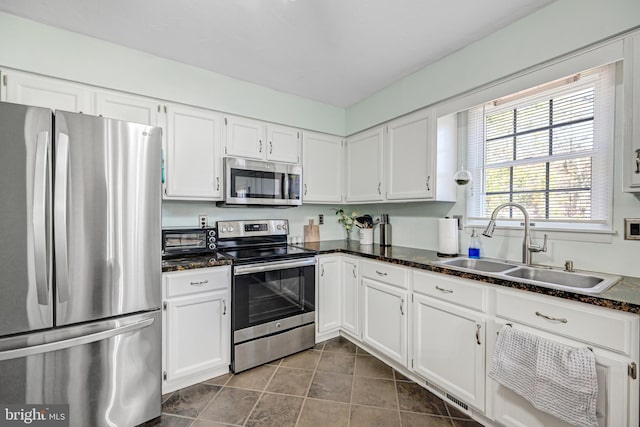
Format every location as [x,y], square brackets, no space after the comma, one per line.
[273,292]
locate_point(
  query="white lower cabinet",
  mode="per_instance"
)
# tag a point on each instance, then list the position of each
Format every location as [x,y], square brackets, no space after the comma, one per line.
[350,296]
[196,326]
[449,348]
[329,301]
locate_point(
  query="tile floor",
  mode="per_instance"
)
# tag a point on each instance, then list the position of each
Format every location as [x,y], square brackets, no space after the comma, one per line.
[335,384]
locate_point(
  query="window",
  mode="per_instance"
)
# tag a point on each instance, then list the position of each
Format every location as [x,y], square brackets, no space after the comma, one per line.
[548,148]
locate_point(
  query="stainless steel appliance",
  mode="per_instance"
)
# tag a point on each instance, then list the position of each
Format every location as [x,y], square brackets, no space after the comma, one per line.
[251,182]
[385,230]
[273,292]
[80,265]
[188,241]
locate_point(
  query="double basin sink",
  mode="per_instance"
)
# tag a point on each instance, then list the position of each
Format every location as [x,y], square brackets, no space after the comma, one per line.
[589,283]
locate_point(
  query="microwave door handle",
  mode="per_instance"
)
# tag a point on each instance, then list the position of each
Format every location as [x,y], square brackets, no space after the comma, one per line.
[286,186]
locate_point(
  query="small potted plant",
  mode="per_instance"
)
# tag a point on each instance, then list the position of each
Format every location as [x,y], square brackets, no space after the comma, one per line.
[347,221]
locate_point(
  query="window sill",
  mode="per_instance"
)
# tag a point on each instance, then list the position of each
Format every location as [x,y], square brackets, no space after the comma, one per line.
[576,235]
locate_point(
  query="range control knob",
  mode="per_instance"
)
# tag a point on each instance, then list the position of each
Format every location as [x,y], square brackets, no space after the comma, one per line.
[284,226]
[224,229]
[230,229]
[278,227]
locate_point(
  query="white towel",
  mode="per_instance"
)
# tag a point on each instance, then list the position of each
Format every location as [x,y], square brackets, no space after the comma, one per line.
[555,378]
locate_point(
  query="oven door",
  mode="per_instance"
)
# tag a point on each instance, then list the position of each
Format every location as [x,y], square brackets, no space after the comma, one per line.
[249,182]
[272,291]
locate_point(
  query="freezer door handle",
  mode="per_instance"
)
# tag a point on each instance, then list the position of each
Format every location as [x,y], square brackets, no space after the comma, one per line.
[39,217]
[60,216]
[74,342]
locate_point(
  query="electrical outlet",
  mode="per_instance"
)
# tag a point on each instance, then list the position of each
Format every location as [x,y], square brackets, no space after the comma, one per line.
[203,221]
[320,219]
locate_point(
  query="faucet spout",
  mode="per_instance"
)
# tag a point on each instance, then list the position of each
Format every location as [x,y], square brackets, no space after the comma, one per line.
[526,241]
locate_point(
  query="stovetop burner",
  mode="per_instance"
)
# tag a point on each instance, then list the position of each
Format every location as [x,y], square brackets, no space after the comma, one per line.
[256,241]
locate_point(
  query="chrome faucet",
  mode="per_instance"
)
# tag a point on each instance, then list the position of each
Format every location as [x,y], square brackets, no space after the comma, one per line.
[527,247]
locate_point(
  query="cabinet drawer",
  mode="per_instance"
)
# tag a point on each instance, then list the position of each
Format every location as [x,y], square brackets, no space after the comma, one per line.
[195,281]
[384,272]
[452,289]
[596,326]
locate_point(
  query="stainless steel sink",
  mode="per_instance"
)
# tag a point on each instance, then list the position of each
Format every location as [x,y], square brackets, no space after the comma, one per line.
[479,265]
[580,282]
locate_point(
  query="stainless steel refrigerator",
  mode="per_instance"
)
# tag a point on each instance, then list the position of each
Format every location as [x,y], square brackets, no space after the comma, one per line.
[80,265]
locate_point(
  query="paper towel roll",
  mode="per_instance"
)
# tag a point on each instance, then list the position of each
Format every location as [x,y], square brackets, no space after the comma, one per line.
[448,236]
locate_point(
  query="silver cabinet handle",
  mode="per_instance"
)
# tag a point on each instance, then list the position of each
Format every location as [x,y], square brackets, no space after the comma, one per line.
[40,211]
[270,147]
[380,188]
[355,275]
[322,271]
[478,326]
[380,273]
[224,307]
[217,183]
[402,306]
[60,216]
[443,290]
[305,189]
[638,160]
[555,319]
[200,283]
[260,150]
[428,182]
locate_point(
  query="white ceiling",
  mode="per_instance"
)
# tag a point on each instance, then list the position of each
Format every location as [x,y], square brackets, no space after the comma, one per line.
[334,51]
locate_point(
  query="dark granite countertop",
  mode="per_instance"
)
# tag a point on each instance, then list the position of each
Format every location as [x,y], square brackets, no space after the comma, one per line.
[191,262]
[624,295]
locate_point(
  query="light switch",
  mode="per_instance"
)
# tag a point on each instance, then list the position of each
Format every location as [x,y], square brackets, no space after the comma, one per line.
[632,228]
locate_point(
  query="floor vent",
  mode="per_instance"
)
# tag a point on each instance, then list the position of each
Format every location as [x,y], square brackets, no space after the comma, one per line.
[447,396]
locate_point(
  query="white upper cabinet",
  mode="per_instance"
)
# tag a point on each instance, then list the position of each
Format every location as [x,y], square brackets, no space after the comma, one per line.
[365,177]
[130,108]
[193,162]
[410,158]
[283,144]
[322,168]
[39,91]
[631,169]
[253,139]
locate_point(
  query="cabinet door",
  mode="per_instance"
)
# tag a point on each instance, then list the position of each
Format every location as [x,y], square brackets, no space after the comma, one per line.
[31,89]
[632,113]
[350,297]
[322,168]
[385,320]
[283,144]
[197,335]
[364,167]
[409,159]
[329,304]
[130,108]
[193,160]
[244,138]
[449,348]
[617,403]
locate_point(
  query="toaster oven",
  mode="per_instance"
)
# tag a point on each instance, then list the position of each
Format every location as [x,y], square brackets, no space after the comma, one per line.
[188,241]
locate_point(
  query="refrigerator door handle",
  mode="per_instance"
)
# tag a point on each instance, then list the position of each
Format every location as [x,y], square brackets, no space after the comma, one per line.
[74,342]
[60,216]
[39,217]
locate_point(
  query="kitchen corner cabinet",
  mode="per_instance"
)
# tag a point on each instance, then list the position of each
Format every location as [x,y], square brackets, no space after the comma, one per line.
[384,302]
[40,91]
[364,166]
[350,296]
[193,159]
[196,326]
[329,301]
[409,157]
[631,165]
[322,168]
[253,139]
[449,339]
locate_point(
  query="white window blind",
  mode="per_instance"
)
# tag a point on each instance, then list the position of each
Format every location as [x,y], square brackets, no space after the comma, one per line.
[549,148]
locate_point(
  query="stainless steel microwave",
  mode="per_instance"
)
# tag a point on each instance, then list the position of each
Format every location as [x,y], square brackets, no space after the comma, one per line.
[188,241]
[252,182]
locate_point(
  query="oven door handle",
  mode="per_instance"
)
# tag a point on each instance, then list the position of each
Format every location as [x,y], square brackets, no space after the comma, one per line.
[270,266]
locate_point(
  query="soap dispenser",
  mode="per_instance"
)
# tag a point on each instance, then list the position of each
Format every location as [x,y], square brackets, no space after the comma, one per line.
[474,245]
